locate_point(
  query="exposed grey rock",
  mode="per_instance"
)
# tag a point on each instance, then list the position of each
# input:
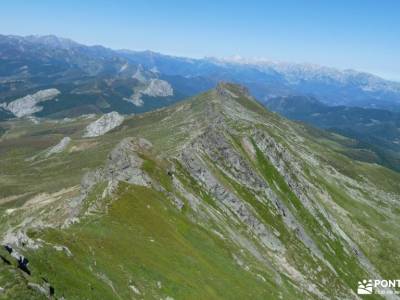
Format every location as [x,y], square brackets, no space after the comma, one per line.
[198,169]
[122,164]
[134,289]
[143,144]
[63,249]
[158,88]
[219,150]
[215,144]
[191,199]
[151,88]
[19,238]
[59,147]
[177,202]
[103,277]
[104,124]
[287,166]
[139,74]
[135,99]
[27,105]
[41,289]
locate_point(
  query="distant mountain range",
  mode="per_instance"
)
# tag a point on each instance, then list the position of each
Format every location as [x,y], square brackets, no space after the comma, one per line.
[94,79]
[270,79]
[48,76]
[89,79]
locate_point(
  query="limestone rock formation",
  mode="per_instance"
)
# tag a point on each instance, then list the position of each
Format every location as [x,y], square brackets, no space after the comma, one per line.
[104,124]
[28,105]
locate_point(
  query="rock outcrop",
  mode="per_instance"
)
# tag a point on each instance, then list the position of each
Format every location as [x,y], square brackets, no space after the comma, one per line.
[123,164]
[28,105]
[158,88]
[60,147]
[104,124]
[151,88]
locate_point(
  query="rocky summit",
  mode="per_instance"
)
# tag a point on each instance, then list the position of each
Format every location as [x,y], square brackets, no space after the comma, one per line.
[212,198]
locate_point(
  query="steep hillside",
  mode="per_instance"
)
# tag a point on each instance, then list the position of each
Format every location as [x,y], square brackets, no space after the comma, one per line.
[213,198]
[376,132]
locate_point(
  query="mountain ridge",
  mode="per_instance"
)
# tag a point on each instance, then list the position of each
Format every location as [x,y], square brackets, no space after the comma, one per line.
[94,79]
[376,131]
[289,78]
[91,79]
[258,205]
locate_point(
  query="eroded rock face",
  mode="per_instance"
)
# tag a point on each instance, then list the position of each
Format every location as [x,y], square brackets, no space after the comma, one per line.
[215,148]
[218,148]
[158,88]
[60,147]
[139,74]
[123,164]
[135,99]
[199,170]
[104,124]
[151,88]
[28,105]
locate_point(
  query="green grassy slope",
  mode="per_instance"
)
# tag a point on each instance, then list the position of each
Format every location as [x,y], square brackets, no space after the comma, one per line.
[239,204]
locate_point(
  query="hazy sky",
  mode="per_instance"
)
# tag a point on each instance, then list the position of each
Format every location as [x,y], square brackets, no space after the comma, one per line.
[363,35]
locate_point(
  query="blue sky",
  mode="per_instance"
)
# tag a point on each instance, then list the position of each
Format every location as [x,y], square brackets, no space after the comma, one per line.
[363,35]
